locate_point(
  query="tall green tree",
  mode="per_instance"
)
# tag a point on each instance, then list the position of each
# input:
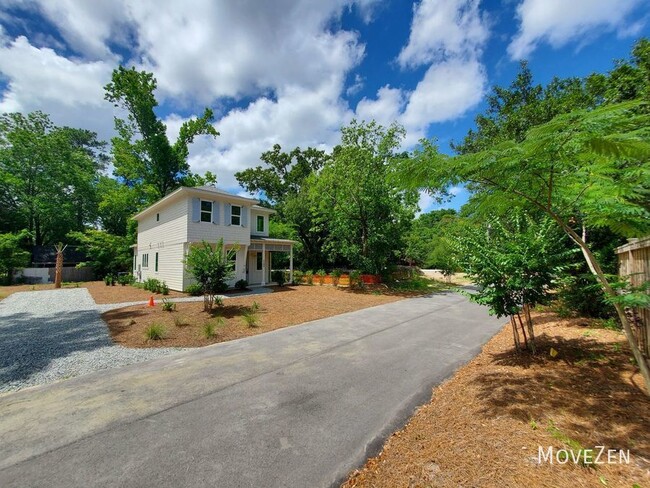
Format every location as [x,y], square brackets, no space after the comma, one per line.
[142,152]
[285,182]
[48,177]
[366,213]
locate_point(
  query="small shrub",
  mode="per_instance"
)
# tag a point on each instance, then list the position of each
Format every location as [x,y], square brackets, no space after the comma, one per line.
[178,321]
[164,289]
[218,301]
[355,279]
[297,277]
[194,290]
[279,277]
[321,274]
[250,318]
[241,285]
[208,329]
[168,306]
[336,276]
[309,275]
[155,332]
[255,307]
[153,285]
[126,279]
[109,280]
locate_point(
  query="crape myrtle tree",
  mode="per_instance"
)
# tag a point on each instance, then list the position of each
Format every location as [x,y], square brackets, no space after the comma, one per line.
[514,261]
[212,267]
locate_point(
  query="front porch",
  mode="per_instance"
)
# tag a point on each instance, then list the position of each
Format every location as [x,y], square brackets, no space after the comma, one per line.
[259,259]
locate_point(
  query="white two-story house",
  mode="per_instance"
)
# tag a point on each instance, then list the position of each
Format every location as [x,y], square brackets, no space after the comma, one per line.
[189,216]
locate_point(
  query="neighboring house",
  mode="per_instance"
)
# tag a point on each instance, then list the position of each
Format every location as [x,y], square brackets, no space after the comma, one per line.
[189,216]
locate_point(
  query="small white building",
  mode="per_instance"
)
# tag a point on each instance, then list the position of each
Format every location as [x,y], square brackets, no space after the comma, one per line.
[189,216]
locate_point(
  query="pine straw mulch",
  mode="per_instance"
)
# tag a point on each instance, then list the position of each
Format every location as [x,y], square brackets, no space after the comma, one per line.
[483,426]
[289,305]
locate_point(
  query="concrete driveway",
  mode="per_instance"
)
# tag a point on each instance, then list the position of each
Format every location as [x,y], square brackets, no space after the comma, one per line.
[297,407]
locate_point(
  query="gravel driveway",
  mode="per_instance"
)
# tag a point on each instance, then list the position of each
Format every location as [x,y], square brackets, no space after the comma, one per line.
[46,336]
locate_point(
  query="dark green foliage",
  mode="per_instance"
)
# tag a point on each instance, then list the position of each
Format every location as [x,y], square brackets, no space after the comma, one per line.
[297,277]
[279,277]
[107,253]
[47,177]
[241,285]
[194,290]
[109,280]
[12,256]
[366,214]
[513,262]
[126,279]
[153,285]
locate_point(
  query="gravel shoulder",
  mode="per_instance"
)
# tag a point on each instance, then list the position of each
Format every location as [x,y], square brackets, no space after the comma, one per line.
[51,335]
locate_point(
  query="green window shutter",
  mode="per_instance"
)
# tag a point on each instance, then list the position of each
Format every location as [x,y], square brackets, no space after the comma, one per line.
[156,268]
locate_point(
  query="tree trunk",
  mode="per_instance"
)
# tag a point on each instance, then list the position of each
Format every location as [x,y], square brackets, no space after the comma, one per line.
[515,333]
[58,270]
[529,325]
[595,268]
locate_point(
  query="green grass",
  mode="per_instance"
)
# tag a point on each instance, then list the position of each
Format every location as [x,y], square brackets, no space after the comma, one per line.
[155,332]
[572,444]
[168,306]
[419,283]
[179,321]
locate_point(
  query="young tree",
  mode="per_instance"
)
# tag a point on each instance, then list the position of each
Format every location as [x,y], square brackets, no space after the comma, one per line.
[142,152]
[514,262]
[211,266]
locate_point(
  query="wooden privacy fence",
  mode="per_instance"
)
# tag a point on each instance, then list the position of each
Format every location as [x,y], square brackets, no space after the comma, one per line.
[634,264]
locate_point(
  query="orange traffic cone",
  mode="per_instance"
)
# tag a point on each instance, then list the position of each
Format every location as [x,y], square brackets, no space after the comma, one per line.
[151,304]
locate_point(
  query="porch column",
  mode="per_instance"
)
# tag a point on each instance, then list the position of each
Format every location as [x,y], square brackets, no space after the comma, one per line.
[263,264]
[291,263]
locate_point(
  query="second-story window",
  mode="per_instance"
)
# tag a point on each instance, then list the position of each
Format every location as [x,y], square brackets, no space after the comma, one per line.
[260,223]
[206,211]
[235,216]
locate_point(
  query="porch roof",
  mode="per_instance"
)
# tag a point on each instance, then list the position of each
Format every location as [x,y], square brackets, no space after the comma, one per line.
[270,244]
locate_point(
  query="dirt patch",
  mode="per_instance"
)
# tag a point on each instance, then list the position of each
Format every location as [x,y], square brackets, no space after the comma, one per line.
[483,427]
[98,289]
[286,306]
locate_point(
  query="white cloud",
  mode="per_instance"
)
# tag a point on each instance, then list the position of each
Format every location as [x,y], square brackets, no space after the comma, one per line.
[447,91]
[40,79]
[559,22]
[444,29]
[447,35]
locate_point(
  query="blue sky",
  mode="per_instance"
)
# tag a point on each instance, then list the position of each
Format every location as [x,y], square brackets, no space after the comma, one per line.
[293,71]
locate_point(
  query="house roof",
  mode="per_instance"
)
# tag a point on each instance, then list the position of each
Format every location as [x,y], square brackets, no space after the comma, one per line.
[200,191]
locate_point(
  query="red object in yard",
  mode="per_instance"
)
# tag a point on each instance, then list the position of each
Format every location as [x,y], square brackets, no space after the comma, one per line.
[370,279]
[151,303]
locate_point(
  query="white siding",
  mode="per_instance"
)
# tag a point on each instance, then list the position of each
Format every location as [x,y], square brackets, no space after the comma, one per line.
[207,231]
[254,230]
[170,265]
[170,229]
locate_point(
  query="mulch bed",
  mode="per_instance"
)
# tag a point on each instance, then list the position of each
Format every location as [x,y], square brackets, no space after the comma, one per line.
[289,305]
[483,427]
[98,289]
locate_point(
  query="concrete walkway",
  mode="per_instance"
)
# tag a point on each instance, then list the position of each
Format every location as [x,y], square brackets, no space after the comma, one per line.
[297,407]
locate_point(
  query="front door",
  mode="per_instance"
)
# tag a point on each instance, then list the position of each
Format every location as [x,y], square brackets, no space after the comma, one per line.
[255,267]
